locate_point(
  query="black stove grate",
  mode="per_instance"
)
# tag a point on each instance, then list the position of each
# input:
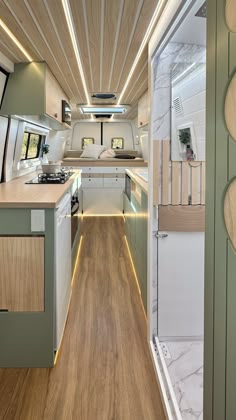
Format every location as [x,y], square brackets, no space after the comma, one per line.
[51,178]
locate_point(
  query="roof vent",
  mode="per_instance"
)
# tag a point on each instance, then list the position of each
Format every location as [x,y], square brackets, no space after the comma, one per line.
[102,115]
[177,104]
[103,96]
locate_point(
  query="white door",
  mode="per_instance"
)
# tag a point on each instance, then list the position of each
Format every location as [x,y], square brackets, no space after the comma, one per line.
[180,285]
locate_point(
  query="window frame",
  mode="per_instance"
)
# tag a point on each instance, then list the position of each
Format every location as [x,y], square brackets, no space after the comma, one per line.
[41,141]
[118,148]
[86,138]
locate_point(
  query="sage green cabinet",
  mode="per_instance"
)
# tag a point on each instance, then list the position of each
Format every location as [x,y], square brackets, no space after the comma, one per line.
[135,213]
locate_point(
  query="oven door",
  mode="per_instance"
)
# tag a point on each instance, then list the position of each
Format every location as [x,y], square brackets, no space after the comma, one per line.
[75,215]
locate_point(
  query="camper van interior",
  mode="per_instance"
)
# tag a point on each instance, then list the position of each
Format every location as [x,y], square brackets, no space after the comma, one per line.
[105,106]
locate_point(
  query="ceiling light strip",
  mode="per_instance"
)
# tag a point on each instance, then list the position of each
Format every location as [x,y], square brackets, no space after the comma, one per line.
[102,42]
[88,44]
[118,26]
[132,34]
[142,46]
[15,40]
[70,24]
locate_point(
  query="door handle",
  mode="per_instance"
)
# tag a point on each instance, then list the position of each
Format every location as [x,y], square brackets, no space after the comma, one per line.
[160,235]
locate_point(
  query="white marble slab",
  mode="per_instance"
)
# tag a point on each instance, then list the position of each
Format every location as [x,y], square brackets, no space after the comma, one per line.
[185,368]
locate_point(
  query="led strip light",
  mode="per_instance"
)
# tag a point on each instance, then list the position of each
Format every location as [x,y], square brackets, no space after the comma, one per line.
[142,46]
[68,15]
[15,40]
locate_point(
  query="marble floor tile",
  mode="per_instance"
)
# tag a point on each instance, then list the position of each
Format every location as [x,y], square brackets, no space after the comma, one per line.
[185,368]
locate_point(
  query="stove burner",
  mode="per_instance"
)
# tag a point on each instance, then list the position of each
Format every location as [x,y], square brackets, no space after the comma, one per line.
[55,178]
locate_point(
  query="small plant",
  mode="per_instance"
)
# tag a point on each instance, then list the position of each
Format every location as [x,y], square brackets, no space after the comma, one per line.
[45,148]
[185,136]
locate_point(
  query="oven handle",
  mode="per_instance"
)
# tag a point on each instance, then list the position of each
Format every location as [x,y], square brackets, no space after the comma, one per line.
[74,206]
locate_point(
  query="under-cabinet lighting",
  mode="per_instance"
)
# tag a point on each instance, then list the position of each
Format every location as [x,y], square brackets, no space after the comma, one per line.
[27,120]
[102,215]
[15,40]
[142,46]
[69,19]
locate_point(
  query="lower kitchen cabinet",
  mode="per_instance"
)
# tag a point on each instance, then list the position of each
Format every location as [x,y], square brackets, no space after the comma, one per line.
[135,214]
[22,273]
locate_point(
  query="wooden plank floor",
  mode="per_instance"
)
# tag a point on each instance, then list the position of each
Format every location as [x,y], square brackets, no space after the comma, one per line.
[104,370]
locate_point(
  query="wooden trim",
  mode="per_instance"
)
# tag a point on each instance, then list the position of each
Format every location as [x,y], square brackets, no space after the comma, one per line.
[165,172]
[92,175]
[230,211]
[230,15]
[203,183]
[114,175]
[156,167]
[116,163]
[181,218]
[184,184]
[195,183]
[175,184]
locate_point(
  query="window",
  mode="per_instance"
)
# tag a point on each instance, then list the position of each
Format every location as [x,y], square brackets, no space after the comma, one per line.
[86,141]
[117,143]
[31,145]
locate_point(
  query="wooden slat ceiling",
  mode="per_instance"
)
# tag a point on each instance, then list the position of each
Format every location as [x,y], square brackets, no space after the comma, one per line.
[109,34]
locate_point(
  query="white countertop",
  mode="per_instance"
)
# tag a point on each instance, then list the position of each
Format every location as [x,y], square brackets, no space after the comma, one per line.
[140,177]
[17,194]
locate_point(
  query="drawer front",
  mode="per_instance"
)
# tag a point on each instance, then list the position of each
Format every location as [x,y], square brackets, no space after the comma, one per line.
[115,182]
[92,182]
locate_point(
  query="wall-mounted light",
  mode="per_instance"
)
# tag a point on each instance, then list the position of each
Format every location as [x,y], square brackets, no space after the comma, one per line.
[15,40]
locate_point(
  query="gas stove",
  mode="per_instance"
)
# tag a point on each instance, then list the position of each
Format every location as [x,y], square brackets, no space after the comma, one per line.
[55,178]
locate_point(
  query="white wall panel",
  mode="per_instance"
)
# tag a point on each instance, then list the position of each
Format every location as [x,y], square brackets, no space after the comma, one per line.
[181,285]
[121,129]
[81,130]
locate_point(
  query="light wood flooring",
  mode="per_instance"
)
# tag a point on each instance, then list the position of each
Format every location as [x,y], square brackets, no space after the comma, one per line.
[104,370]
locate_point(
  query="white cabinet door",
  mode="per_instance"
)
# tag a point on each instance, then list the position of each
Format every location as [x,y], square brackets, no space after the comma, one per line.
[180,284]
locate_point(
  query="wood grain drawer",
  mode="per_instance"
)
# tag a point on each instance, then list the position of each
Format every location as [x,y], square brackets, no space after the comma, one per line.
[22,273]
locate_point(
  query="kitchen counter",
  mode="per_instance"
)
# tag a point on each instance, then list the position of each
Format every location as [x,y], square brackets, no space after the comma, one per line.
[17,194]
[139,180]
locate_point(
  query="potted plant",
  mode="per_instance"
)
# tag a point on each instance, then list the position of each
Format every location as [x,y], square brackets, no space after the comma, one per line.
[45,149]
[185,136]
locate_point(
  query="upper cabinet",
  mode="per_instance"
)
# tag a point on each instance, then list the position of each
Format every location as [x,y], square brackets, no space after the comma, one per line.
[32,91]
[143,110]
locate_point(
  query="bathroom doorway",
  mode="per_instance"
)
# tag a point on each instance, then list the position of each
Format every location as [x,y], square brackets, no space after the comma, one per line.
[177,146]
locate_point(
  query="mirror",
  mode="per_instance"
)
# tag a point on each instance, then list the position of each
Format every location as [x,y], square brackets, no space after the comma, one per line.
[188,106]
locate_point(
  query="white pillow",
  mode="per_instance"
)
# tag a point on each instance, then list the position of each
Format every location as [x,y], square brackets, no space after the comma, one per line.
[109,153]
[92,151]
